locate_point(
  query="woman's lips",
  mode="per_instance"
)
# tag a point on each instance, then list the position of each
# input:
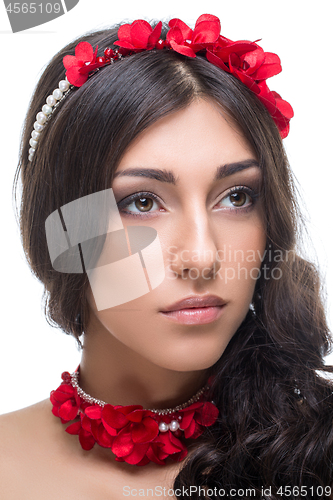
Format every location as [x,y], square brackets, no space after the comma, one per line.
[195,315]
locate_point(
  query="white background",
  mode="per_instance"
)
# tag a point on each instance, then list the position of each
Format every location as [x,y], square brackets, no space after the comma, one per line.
[32,354]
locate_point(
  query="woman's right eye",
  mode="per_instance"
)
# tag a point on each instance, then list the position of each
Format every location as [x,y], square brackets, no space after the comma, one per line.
[138,204]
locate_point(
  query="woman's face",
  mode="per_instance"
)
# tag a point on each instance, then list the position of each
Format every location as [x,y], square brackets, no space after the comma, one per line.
[196,181]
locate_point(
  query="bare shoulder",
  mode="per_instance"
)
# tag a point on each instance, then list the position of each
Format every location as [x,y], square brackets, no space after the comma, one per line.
[30,443]
[37,410]
[39,460]
[19,427]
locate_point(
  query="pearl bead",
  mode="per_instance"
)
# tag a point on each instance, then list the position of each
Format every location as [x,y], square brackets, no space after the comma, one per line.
[63,85]
[32,151]
[33,143]
[46,109]
[41,118]
[163,427]
[35,135]
[50,100]
[30,158]
[38,127]
[57,94]
[174,425]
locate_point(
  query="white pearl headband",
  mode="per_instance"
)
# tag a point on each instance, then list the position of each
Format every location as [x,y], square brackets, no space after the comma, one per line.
[44,115]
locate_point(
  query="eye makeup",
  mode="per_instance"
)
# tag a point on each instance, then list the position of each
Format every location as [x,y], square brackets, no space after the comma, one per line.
[241,198]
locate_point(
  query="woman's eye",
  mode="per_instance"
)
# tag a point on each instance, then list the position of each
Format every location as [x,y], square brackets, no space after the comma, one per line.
[137,204]
[237,199]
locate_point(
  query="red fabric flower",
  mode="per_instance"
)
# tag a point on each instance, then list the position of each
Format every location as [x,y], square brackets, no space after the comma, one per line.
[65,401]
[252,66]
[83,429]
[135,429]
[90,429]
[138,36]
[164,446]
[79,66]
[246,61]
[280,110]
[186,41]
[196,417]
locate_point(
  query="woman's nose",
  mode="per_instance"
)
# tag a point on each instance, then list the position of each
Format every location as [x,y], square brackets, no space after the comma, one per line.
[194,253]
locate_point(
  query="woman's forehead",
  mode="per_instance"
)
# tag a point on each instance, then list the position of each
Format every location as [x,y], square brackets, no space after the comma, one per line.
[198,136]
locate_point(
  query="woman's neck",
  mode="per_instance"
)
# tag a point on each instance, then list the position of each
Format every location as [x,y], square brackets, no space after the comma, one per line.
[114,373]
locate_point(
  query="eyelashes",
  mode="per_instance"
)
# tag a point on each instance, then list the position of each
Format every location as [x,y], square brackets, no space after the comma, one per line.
[239,199]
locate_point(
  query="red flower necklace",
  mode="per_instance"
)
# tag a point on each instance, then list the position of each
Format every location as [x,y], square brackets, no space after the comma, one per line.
[135,435]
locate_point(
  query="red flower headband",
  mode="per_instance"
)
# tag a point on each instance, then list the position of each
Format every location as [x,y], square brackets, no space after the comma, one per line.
[243,59]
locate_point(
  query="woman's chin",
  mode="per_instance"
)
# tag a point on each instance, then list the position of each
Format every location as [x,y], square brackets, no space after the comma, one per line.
[189,361]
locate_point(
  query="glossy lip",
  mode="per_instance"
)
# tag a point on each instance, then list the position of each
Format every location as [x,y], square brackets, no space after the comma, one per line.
[195,310]
[196,301]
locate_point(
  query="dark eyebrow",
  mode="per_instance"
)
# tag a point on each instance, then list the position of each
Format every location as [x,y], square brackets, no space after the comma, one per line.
[151,173]
[168,176]
[233,168]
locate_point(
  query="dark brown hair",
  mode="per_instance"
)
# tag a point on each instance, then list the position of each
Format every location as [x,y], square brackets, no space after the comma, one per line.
[275,424]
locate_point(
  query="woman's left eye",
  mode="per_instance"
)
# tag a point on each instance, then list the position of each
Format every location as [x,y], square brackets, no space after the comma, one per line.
[240,197]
